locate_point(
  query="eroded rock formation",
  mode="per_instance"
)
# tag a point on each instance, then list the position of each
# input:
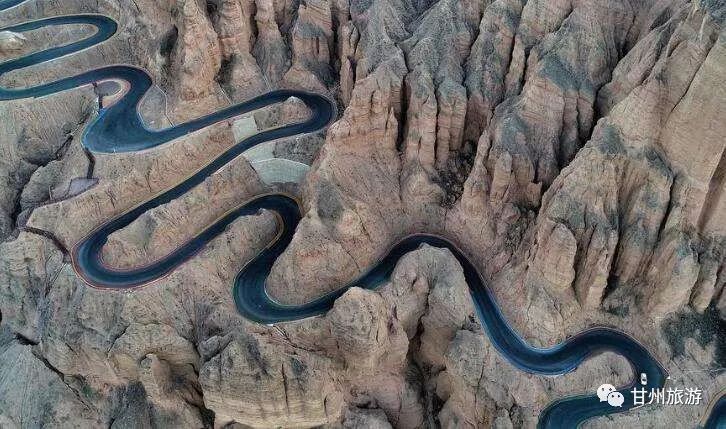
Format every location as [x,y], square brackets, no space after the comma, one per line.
[574,149]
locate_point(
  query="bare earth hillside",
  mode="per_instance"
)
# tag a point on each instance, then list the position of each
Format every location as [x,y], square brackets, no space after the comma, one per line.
[575,149]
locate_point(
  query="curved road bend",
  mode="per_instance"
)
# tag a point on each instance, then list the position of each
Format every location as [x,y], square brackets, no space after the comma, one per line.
[119,128]
[716,417]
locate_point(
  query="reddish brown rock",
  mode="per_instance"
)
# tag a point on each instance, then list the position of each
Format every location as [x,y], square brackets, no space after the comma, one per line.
[574,149]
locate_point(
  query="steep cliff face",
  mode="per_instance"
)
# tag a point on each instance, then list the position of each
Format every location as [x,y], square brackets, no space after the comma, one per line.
[574,148]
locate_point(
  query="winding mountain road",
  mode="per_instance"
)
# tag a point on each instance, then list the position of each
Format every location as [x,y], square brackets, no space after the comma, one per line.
[119,128]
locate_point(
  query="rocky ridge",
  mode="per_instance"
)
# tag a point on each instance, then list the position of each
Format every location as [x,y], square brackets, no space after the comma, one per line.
[574,148]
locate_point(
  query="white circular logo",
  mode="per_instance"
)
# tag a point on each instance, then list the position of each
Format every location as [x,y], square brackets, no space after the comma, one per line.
[604,390]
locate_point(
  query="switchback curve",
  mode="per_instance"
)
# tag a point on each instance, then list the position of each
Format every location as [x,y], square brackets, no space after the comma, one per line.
[119,128]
